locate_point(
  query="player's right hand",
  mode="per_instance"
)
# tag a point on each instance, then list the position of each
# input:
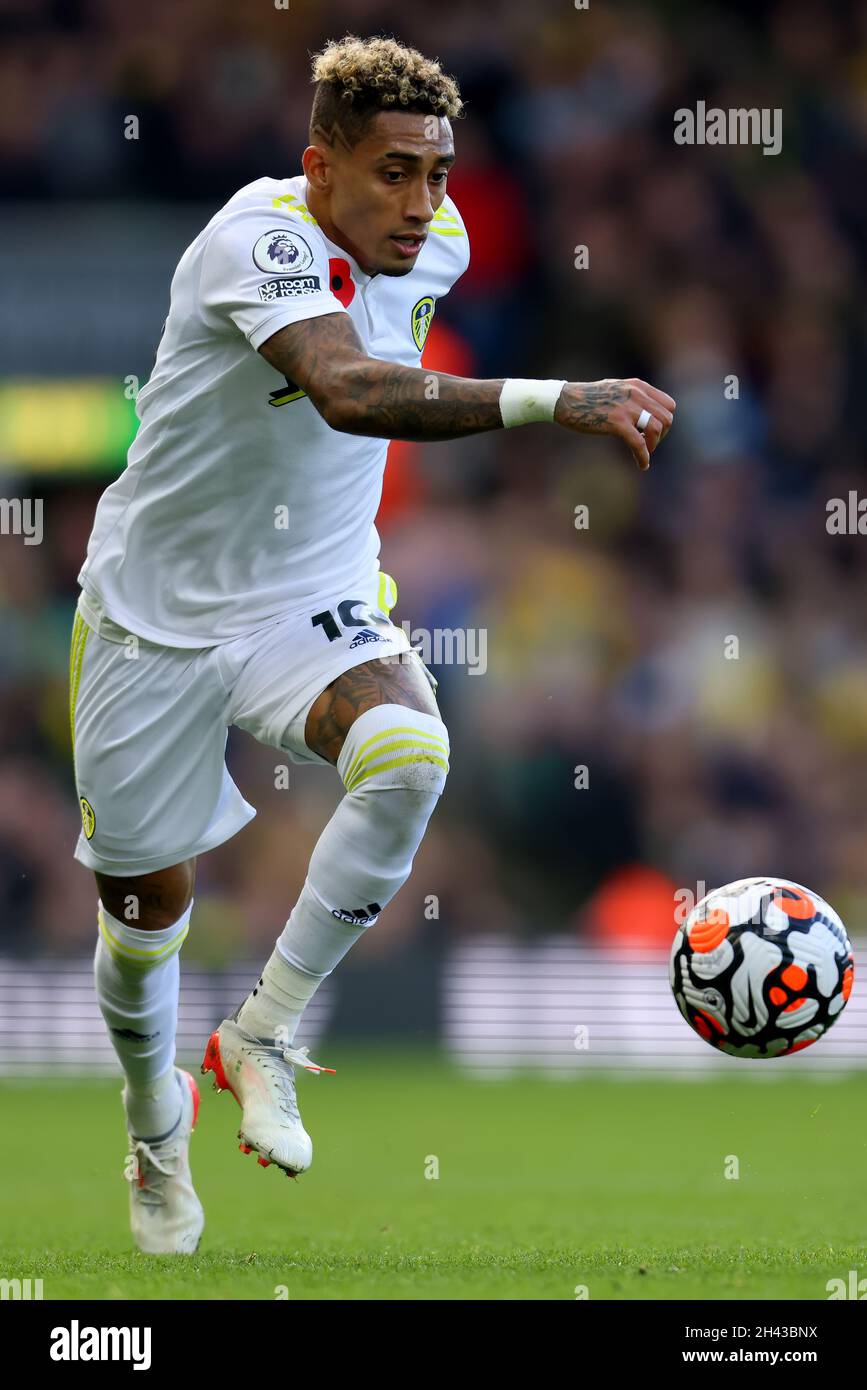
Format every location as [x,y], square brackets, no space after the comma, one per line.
[613,407]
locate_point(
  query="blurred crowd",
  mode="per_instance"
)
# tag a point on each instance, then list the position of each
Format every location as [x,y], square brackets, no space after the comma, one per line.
[676,679]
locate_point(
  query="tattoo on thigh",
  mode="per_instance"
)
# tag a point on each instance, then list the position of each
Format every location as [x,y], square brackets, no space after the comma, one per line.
[382,682]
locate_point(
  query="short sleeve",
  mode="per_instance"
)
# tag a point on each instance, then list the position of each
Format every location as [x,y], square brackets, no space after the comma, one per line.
[263,271]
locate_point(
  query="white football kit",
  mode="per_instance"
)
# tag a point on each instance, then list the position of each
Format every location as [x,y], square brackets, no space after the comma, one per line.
[232,572]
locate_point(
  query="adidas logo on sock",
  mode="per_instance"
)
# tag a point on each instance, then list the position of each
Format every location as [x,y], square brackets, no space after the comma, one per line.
[359,916]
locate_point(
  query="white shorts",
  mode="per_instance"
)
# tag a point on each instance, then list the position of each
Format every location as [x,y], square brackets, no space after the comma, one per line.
[150,723]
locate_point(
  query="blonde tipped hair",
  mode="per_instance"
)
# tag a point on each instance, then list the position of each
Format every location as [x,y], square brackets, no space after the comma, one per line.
[357,78]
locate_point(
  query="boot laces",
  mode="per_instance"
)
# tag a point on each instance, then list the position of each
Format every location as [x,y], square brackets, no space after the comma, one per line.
[280,1063]
[149,1173]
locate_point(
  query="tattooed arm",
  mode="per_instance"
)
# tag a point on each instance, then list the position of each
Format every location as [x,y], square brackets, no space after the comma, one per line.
[358,394]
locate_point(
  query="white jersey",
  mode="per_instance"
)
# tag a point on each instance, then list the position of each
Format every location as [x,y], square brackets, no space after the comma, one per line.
[239,504]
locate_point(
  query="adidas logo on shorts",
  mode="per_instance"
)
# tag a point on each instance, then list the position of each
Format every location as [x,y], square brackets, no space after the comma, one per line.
[365,635]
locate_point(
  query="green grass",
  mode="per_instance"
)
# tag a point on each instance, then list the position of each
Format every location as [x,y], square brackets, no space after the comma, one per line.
[543,1185]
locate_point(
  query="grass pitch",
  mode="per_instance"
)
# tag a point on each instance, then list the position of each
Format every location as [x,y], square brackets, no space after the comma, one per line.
[543,1186]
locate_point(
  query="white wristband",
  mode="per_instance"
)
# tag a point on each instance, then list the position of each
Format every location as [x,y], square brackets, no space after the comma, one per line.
[523,401]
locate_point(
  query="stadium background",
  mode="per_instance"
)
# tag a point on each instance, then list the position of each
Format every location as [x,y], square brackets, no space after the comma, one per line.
[605,645]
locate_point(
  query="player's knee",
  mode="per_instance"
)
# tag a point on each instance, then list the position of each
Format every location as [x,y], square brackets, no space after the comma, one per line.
[395,746]
[152,901]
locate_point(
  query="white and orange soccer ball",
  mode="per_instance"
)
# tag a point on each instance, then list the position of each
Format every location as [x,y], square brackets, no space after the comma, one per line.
[762,967]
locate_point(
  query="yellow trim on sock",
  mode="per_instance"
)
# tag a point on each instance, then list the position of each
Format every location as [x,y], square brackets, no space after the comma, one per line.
[374,768]
[120,951]
[359,767]
[389,733]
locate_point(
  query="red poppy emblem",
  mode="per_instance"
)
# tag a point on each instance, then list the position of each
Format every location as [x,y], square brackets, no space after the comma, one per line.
[341,281]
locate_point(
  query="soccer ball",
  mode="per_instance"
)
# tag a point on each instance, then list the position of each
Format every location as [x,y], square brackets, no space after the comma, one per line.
[761,967]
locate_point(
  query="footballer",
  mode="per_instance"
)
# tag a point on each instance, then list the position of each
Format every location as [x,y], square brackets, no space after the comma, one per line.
[232,578]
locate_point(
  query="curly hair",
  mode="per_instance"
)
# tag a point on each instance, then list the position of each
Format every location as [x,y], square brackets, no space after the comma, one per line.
[357,78]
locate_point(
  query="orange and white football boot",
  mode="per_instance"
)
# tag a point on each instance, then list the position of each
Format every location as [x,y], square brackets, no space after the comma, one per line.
[166,1216]
[261,1077]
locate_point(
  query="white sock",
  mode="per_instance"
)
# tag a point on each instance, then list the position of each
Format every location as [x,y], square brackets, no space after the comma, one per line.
[273,1010]
[394,762]
[137,977]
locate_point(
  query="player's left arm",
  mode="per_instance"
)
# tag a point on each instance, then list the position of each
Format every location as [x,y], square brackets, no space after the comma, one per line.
[359,394]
